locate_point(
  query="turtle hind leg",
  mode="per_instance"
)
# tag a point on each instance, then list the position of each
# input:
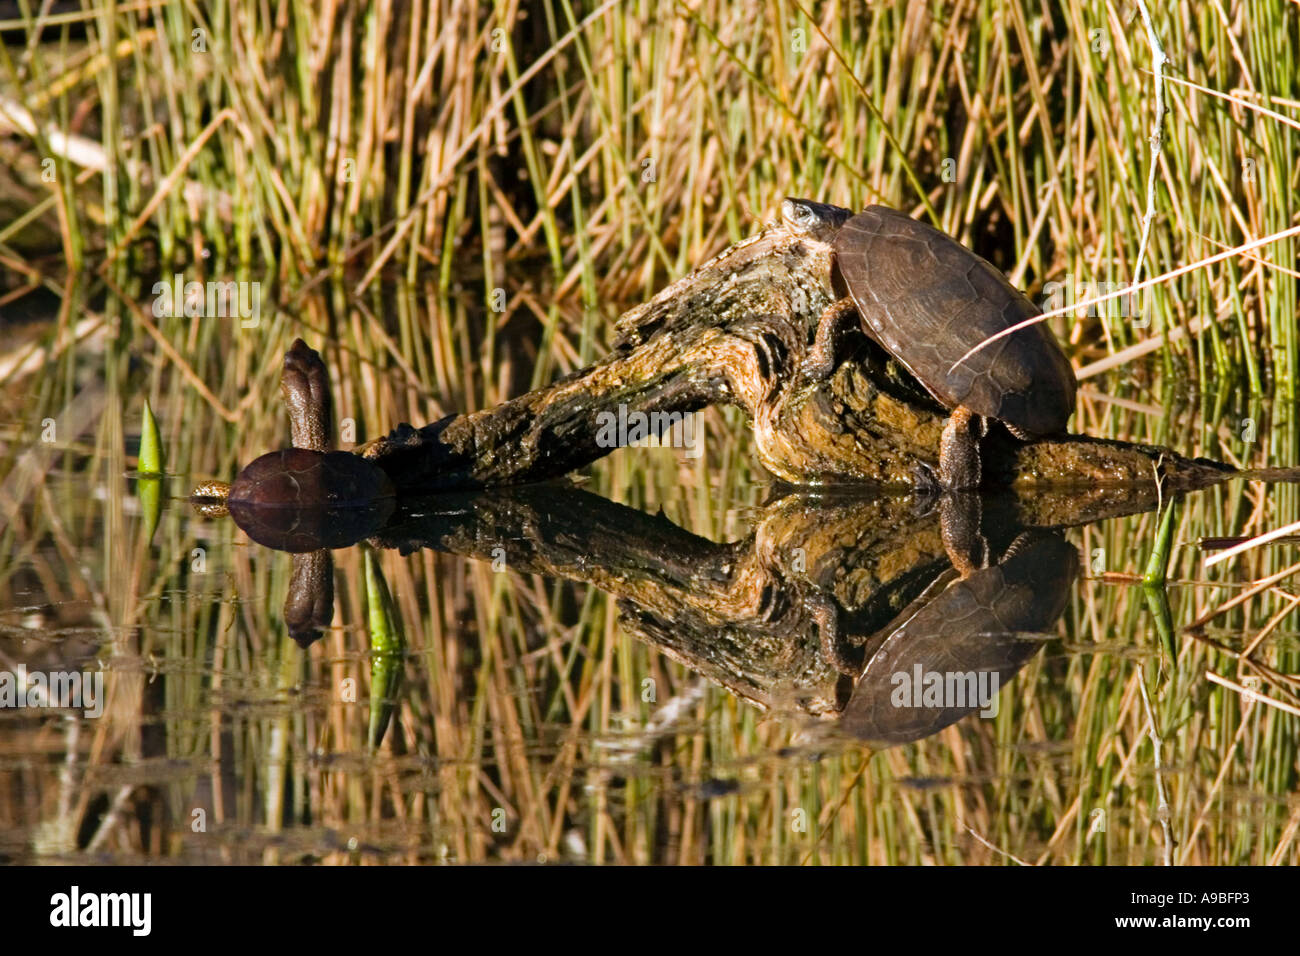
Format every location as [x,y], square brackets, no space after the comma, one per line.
[305,388]
[960,520]
[959,451]
[822,355]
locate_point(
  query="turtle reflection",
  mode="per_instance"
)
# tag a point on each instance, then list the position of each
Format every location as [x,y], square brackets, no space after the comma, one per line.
[950,655]
[775,616]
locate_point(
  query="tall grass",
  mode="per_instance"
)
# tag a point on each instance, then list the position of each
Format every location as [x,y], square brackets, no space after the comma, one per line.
[616,144]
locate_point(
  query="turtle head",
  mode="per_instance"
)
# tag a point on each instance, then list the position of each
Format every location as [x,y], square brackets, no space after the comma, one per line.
[817,220]
[209,499]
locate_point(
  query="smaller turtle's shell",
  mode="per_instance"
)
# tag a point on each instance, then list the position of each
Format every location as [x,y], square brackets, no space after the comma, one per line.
[928,300]
[301,478]
[303,500]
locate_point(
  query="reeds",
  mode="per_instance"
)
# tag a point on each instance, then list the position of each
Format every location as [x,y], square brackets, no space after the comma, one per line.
[613,146]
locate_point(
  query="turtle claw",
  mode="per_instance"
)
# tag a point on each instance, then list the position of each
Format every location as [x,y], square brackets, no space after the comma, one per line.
[926,480]
[816,368]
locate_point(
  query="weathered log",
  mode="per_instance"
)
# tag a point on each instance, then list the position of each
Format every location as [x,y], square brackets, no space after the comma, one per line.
[736,331]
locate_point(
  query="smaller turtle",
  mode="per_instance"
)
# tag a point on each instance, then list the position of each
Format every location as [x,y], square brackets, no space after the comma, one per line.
[307,494]
[927,300]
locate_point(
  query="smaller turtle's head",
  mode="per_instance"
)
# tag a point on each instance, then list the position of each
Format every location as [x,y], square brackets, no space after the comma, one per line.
[209,499]
[817,220]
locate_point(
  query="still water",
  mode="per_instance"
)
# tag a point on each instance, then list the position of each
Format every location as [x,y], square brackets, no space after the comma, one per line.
[669,658]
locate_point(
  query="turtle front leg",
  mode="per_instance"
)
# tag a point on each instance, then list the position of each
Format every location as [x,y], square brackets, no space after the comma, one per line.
[959,451]
[830,328]
[848,661]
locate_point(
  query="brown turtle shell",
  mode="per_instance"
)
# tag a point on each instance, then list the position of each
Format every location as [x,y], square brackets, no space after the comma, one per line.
[928,299]
[985,622]
[299,499]
[302,477]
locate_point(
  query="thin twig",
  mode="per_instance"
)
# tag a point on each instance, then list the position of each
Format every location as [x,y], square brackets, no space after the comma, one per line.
[1158,60]
[111,818]
[1244,104]
[1282,532]
[1129,290]
[996,849]
[1250,694]
[1162,801]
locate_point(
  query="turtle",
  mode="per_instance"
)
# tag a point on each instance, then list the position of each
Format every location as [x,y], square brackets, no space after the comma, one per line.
[309,496]
[927,299]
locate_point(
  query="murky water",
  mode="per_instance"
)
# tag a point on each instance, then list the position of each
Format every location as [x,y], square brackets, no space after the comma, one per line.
[672,660]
